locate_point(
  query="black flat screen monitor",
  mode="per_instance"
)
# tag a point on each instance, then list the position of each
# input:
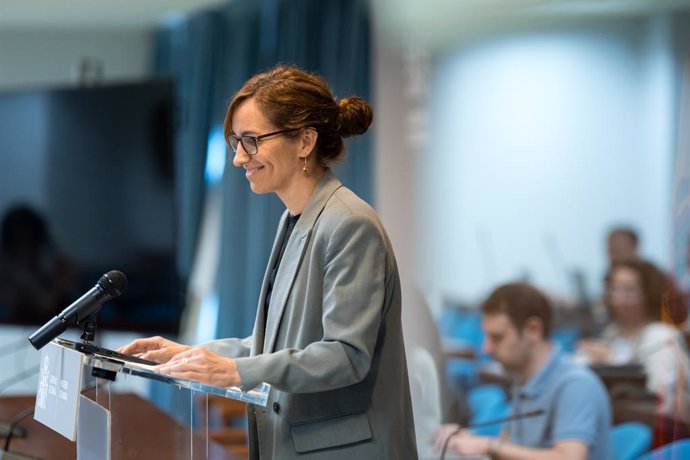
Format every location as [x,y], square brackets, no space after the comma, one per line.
[87,186]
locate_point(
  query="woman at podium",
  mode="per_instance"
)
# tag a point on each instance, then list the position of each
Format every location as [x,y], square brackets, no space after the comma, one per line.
[327,335]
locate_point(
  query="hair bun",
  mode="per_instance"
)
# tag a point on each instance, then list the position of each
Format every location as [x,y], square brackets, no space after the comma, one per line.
[354,116]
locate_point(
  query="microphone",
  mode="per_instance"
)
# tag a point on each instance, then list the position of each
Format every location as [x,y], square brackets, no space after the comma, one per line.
[109,286]
[533,413]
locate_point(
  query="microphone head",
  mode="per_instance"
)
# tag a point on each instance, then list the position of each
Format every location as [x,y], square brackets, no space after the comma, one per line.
[113,283]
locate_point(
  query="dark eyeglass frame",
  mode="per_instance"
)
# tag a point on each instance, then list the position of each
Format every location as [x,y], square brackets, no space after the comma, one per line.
[234,141]
[623,291]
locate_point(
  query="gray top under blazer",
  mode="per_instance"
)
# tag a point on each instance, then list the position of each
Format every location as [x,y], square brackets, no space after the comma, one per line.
[332,347]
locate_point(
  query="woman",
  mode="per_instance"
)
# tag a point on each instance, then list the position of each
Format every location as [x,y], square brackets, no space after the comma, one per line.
[636,295]
[327,335]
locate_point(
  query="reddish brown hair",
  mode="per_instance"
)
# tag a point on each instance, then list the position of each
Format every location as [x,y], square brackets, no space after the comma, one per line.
[292,98]
[661,297]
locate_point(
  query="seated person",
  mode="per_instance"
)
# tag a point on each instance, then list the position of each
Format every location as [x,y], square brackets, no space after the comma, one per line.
[637,293]
[36,280]
[622,245]
[576,418]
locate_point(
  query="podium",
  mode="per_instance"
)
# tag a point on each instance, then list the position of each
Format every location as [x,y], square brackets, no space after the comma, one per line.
[75,402]
[134,434]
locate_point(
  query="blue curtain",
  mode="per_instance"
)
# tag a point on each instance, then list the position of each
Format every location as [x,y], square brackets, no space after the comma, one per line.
[177,48]
[211,55]
[329,38]
[185,52]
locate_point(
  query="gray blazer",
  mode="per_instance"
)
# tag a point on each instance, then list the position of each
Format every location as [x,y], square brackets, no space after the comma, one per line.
[332,347]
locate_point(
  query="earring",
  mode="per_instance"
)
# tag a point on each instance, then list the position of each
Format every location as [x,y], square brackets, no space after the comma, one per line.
[305,169]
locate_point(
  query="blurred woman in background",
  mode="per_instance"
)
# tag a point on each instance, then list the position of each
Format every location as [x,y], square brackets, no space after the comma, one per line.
[637,296]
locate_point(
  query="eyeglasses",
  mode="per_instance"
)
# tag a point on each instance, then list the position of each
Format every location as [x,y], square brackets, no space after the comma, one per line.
[623,291]
[250,144]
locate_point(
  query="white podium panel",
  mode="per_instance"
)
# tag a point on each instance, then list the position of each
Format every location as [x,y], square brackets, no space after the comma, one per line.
[59,388]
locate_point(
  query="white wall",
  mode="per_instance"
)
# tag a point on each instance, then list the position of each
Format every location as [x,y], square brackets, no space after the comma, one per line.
[395,182]
[540,142]
[30,57]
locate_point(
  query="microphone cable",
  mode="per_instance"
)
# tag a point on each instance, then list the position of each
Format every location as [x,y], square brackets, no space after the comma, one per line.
[6,428]
[533,413]
[15,423]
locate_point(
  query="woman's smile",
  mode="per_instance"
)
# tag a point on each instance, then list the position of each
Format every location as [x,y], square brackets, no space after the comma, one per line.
[251,170]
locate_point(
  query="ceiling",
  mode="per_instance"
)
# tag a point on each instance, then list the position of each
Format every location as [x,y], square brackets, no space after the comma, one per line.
[439,22]
[430,17]
[61,14]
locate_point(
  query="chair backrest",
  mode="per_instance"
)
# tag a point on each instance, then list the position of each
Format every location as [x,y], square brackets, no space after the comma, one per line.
[566,337]
[679,450]
[629,440]
[462,325]
[488,402]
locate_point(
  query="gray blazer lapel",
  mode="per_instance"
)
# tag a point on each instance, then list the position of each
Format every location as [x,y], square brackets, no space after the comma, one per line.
[294,252]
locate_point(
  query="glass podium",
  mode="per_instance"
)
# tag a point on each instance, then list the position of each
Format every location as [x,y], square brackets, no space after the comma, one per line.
[257,396]
[85,407]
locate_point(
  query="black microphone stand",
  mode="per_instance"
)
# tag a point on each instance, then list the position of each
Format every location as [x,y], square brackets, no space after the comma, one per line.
[88,335]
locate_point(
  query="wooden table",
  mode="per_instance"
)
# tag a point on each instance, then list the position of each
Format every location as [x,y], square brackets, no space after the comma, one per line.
[139,431]
[634,410]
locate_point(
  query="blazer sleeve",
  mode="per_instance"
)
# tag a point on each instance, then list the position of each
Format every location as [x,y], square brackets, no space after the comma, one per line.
[354,292]
[231,348]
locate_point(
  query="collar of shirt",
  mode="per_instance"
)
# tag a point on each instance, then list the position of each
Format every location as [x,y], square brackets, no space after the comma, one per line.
[537,384]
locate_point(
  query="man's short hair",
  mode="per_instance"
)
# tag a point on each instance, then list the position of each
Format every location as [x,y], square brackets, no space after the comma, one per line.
[519,301]
[627,232]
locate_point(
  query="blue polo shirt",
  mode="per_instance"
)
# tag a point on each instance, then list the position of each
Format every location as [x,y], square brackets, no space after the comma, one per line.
[575,403]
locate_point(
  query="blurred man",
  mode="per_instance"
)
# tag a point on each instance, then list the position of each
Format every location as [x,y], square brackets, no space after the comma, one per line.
[622,245]
[516,319]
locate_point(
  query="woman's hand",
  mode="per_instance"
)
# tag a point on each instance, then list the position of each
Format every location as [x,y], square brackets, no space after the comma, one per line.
[155,349]
[596,350]
[202,365]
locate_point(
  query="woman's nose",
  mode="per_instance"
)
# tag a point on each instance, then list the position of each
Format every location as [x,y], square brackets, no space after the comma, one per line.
[241,158]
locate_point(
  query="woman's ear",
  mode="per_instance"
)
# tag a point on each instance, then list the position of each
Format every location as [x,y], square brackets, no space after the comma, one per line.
[308,139]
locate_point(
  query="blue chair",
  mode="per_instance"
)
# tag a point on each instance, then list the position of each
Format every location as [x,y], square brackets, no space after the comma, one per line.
[462,326]
[462,329]
[679,450]
[629,440]
[566,337]
[488,402]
